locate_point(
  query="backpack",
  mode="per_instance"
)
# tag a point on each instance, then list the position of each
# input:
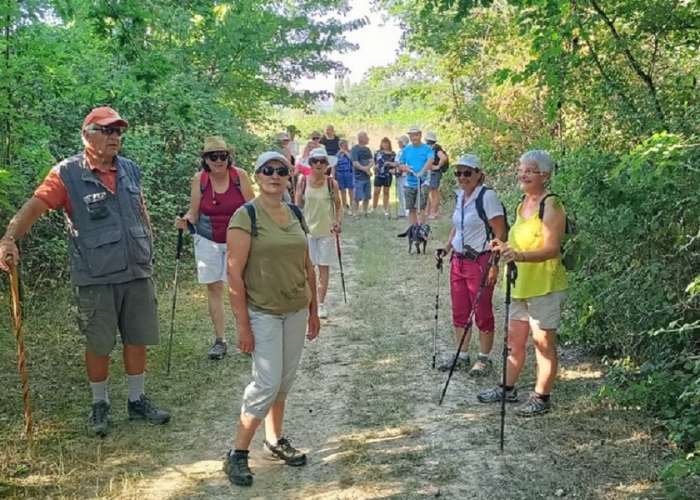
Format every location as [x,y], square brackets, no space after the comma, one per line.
[569,256]
[250,208]
[482,213]
[436,159]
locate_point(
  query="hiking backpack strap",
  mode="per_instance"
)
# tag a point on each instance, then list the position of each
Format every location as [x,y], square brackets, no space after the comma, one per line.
[297,211]
[250,208]
[482,213]
[542,201]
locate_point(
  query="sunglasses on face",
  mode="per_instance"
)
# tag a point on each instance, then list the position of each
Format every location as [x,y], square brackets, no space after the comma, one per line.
[217,156]
[268,171]
[108,130]
[463,173]
[315,138]
[322,161]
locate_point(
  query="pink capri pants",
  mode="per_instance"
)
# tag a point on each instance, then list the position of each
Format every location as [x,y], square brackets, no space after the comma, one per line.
[465,278]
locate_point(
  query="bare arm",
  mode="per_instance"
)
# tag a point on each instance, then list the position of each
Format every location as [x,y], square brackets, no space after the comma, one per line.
[442,159]
[314,322]
[337,202]
[425,168]
[246,185]
[498,227]
[20,225]
[299,192]
[238,249]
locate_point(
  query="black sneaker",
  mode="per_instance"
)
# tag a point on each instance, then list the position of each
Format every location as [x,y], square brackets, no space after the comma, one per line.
[237,470]
[534,406]
[446,364]
[145,409]
[283,450]
[100,418]
[494,395]
[218,350]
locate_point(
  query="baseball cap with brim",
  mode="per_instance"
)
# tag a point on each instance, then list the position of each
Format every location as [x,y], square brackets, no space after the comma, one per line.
[215,143]
[471,161]
[104,116]
[431,136]
[269,156]
[414,130]
[321,153]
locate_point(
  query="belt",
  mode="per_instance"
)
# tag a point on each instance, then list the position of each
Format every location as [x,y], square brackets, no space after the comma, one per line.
[473,255]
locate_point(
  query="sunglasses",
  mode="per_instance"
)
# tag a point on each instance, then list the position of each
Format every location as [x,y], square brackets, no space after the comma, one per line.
[315,138]
[268,171]
[463,173]
[322,161]
[217,156]
[108,130]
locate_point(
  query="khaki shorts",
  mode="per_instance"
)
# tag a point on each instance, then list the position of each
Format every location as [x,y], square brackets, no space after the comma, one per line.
[543,312]
[411,195]
[131,308]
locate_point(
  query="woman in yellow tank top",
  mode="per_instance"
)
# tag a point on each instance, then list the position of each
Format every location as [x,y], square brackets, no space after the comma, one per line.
[534,245]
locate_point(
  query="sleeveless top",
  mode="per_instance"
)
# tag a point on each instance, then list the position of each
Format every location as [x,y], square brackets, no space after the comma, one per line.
[534,278]
[216,209]
[317,209]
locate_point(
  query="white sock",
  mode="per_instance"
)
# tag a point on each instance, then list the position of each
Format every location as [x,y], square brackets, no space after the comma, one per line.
[463,355]
[483,357]
[135,384]
[99,391]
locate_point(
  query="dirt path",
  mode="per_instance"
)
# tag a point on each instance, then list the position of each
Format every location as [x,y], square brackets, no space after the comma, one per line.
[365,408]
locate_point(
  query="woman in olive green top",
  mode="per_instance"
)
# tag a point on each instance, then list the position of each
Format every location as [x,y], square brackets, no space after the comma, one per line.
[272,288]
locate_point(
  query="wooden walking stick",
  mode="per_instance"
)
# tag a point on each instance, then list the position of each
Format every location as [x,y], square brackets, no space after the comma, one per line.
[16,314]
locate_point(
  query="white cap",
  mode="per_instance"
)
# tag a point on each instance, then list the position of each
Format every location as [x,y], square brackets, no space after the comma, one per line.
[469,160]
[321,153]
[268,156]
[415,129]
[430,136]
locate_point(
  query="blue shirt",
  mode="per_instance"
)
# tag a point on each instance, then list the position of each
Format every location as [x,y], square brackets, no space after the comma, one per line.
[344,163]
[362,155]
[415,157]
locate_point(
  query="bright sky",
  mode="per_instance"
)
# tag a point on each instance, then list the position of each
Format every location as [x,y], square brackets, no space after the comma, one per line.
[378,42]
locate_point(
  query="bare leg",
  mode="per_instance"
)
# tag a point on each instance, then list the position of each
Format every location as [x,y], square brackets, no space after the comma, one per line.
[375,197]
[459,331]
[518,332]
[215,297]
[485,342]
[385,199]
[274,422]
[412,216]
[322,283]
[97,367]
[247,425]
[365,206]
[546,352]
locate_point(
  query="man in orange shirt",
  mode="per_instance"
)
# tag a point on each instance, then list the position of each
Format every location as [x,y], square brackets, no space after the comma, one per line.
[111,258]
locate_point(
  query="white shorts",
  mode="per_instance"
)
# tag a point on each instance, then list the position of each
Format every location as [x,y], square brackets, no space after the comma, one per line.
[211,260]
[322,250]
[543,312]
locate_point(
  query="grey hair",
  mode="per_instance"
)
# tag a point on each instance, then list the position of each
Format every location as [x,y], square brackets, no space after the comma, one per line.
[539,157]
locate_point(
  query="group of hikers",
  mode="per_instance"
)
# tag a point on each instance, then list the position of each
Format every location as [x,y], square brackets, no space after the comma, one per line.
[265,249]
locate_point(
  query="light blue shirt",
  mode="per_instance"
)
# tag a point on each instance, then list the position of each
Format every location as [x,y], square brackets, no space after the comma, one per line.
[416,157]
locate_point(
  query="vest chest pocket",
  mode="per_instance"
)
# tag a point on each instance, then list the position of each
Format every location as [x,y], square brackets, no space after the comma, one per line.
[96,205]
[141,245]
[104,252]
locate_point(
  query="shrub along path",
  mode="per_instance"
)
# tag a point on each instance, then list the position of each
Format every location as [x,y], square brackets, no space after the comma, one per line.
[364,407]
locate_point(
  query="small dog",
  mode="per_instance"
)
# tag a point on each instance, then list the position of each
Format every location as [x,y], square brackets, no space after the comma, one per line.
[418,235]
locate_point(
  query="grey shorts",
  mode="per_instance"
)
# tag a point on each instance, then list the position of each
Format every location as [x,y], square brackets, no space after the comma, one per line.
[411,195]
[131,308]
[543,312]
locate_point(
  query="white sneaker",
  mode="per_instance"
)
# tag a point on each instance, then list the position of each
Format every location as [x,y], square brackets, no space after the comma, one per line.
[322,311]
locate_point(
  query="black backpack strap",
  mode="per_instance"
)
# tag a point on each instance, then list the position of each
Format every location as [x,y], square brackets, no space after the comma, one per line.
[482,213]
[548,195]
[297,211]
[203,181]
[250,208]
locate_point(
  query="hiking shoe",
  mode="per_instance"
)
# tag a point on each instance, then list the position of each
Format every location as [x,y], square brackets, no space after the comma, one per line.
[534,406]
[446,364]
[99,418]
[218,350]
[145,409]
[494,395]
[322,311]
[237,470]
[481,368]
[283,450]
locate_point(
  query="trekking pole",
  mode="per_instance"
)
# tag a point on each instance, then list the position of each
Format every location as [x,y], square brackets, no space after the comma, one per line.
[482,286]
[16,314]
[340,263]
[511,275]
[438,265]
[172,311]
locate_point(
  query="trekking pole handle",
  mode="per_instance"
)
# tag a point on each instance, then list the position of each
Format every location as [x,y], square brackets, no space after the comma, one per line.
[179,239]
